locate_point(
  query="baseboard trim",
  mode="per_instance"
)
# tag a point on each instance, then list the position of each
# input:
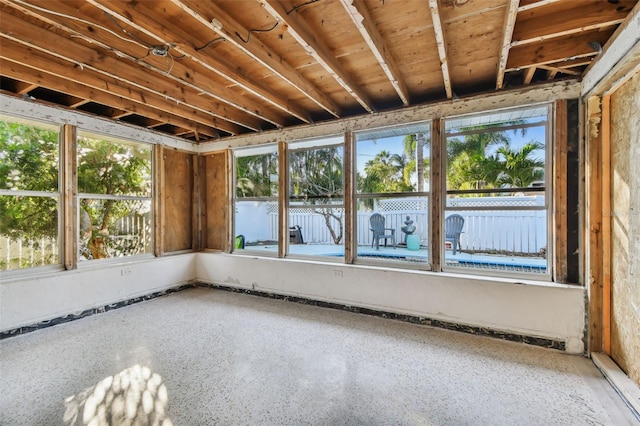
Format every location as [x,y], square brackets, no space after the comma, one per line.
[482,331]
[626,388]
[101,309]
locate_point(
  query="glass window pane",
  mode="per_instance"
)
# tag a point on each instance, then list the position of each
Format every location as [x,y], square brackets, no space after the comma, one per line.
[28,156]
[316,228]
[114,228]
[393,229]
[316,173]
[393,160]
[256,205]
[28,232]
[316,207]
[256,225]
[113,167]
[257,176]
[496,213]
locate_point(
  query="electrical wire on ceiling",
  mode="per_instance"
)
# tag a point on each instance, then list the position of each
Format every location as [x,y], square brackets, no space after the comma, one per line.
[84,21]
[302,5]
[215,40]
[256,31]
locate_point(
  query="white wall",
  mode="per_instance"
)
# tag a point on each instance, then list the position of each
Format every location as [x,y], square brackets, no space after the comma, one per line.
[546,310]
[29,300]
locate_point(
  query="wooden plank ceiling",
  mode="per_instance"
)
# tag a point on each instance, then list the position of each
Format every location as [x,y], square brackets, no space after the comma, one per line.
[206,70]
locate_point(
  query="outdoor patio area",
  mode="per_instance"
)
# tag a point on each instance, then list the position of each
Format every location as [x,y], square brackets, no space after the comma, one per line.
[402,253]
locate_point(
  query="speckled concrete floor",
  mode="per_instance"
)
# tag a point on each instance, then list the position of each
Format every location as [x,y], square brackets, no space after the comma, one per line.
[204,357]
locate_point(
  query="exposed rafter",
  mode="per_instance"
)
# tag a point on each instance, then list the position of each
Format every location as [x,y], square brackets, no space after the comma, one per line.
[573,47]
[509,23]
[528,75]
[214,18]
[532,4]
[442,46]
[198,83]
[85,59]
[141,21]
[319,51]
[40,78]
[208,70]
[359,14]
[551,25]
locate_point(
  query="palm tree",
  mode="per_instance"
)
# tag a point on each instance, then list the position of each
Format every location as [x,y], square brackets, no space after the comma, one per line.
[518,170]
[414,150]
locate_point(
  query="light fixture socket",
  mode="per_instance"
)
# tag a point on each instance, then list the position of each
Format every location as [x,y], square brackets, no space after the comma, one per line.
[159,50]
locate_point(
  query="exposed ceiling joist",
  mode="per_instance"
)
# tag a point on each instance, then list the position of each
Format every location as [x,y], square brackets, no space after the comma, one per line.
[442,46]
[509,24]
[214,18]
[528,75]
[319,51]
[140,20]
[179,72]
[532,4]
[359,14]
[49,80]
[210,70]
[573,47]
[587,17]
[84,57]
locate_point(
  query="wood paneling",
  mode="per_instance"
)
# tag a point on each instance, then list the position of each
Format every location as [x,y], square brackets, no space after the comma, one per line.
[215,193]
[178,200]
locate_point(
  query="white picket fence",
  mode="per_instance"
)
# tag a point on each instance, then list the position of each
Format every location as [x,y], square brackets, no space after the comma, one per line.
[134,238]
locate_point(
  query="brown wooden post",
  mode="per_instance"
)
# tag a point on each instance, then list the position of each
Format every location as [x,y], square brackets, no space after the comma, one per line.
[158,202]
[350,220]
[560,191]
[283,199]
[594,222]
[70,230]
[437,189]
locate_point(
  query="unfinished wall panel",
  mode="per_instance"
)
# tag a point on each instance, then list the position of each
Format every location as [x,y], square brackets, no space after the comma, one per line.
[178,200]
[216,200]
[625,223]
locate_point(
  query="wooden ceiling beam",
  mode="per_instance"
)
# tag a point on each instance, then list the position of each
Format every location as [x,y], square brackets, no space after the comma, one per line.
[174,71]
[533,4]
[556,70]
[84,58]
[509,24]
[442,46]
[23,88]
[133,15]
[359,14]
[213,17]
[568,48]
[552,25]
[528,75]
[48,79]
[318,50]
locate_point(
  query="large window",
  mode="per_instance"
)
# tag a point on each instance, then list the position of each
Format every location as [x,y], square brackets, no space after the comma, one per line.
[29,194]
[114,190]
[256,202]
[496,212]
[316,197]
[392,181]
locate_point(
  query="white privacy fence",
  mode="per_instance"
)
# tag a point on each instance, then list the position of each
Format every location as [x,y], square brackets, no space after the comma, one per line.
[495,228]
